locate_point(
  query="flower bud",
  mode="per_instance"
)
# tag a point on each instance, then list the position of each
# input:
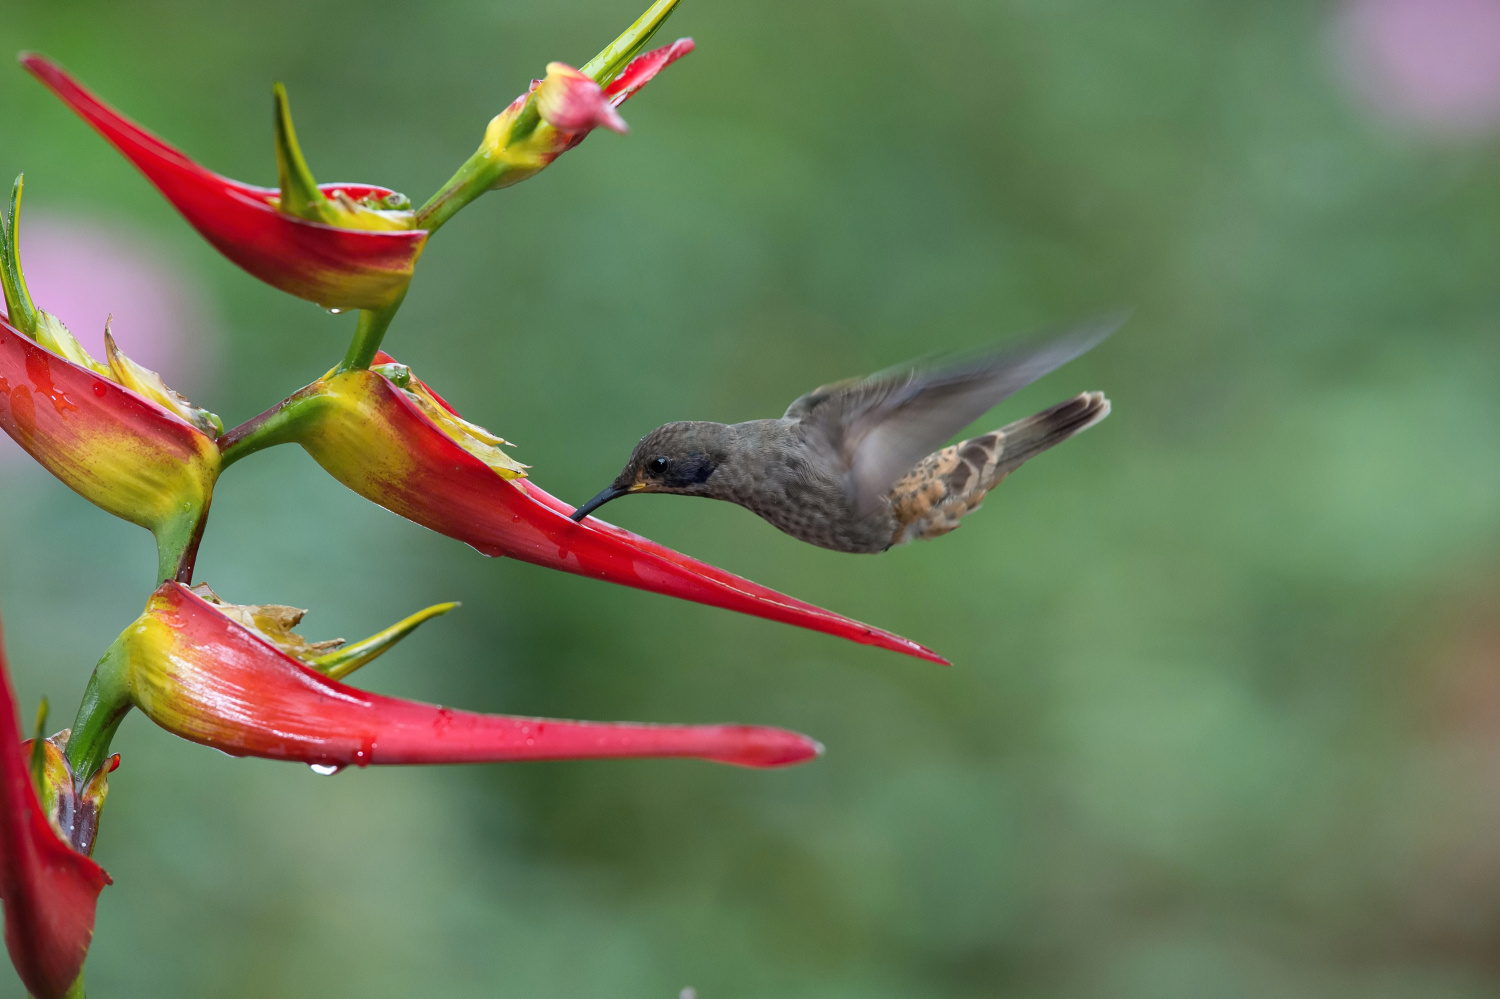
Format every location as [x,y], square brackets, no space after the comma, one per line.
[557,113]
[571,102]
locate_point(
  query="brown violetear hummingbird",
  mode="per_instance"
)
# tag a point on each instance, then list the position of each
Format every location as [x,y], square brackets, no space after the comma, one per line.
[852,467]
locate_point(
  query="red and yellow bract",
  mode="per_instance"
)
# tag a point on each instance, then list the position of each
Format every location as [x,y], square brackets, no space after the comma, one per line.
[204,676]
[124,453]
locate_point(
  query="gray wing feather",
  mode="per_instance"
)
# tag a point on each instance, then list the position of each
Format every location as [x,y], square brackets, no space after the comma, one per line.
[881,426]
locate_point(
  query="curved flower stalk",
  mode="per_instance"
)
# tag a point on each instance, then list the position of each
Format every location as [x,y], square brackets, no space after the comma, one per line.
[50,889]
[114,433]
[234,678]
[343,246]
[383,433]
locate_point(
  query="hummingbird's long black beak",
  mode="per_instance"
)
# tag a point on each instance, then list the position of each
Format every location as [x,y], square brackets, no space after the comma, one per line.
[612,492]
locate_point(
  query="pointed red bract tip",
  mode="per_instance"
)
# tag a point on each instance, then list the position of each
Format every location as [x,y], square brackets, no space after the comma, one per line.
[50,892]
[768,747]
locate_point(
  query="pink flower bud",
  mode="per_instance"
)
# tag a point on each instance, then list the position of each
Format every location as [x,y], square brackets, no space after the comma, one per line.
[571,102]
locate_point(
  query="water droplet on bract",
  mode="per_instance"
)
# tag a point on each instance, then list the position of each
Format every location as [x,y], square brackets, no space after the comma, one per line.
[334,312]
[324,770]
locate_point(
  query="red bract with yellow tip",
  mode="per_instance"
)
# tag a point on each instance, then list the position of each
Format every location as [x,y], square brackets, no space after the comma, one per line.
[50,891]
[339,268]
[381,441]
[203,675]
[125,453]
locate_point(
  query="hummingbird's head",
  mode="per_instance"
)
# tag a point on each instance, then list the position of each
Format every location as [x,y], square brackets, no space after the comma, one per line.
[675,458]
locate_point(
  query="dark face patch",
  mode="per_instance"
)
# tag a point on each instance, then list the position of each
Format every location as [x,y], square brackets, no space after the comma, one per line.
[678,458]
[679,472]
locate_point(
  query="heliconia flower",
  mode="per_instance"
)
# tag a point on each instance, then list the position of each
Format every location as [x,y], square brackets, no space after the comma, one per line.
[49,888]
[557,113]
[113,433]
[343,246]
[383,433]
[355,246]
[202,670]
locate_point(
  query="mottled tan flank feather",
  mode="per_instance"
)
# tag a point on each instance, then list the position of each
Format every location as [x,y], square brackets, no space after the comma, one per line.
[934,497]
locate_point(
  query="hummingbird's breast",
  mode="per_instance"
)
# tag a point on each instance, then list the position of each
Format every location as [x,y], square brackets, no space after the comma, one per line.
[798,485]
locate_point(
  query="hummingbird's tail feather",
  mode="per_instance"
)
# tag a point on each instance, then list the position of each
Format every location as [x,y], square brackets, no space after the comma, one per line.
[934,497]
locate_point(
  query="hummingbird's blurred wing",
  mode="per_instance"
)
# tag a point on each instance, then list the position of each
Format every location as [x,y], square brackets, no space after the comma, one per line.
[881,426]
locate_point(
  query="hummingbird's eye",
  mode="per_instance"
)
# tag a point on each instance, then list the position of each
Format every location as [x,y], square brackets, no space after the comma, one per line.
[659,464]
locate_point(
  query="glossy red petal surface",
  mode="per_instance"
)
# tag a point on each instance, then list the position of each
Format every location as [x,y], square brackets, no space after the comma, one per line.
[50,892]
[337,268]
[446,489]
[232,690]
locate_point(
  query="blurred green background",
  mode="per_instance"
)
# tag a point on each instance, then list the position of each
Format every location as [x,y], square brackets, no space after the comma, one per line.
[1224,718]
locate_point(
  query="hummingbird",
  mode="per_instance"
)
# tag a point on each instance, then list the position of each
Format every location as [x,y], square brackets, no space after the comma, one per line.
[858,466]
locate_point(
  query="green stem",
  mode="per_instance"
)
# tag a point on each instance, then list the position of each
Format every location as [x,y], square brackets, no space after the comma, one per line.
[368,334]
[106,702]
[473,179]
[481,173]
[75,991]
[607,65]
[177,544]
[278,425]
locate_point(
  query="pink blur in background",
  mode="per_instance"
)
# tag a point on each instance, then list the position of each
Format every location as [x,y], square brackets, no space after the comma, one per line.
[84,270]
[1432,64]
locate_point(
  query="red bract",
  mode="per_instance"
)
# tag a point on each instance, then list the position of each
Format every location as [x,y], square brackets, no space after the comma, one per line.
[50,891]
[127,454]
[203,676]
[642,68]
[370,434]
[339,268]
